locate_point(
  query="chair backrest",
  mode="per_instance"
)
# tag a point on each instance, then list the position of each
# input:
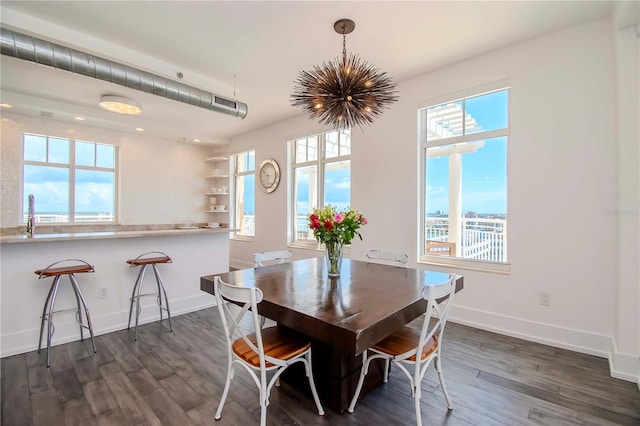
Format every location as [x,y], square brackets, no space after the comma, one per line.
[388,257]
[233,321]
[271,257]
[439,299]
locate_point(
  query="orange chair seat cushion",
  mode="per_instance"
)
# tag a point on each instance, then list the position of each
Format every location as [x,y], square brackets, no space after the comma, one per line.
[403,341]
[149,260]
[64,270]
[278,343]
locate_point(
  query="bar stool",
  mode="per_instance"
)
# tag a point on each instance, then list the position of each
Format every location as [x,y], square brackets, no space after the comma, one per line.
[144,260]
[79,267]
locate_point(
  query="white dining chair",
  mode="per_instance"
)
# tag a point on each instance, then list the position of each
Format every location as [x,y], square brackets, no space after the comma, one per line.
[266,350]
[388,258]
[271,257]
[402,347]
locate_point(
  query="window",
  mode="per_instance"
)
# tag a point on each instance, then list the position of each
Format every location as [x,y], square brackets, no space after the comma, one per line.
[72,181]
[244,193]
[464,157]
[321,170]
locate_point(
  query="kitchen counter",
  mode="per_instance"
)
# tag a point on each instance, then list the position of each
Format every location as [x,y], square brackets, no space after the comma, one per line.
[195,252]
[72,236]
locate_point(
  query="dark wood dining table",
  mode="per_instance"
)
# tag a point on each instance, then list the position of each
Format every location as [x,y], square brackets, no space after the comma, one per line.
[342,317]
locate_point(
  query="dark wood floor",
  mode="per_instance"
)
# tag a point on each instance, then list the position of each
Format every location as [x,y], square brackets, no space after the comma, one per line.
[177,379]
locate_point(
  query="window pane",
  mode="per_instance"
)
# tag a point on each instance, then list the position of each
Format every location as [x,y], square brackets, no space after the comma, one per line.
[306,199]
[331,145]
[245,205]
[444,121]
[95,196]
[301,151]
[58,151]
[475,173]
[106,156]
[487,112]
[50,187]
[85,154]
[245,161]
[337,184]
[35,148]
[345,142]
[306,149]
[312,148]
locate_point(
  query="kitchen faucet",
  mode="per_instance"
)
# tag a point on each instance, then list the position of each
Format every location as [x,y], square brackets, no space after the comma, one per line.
[31,219]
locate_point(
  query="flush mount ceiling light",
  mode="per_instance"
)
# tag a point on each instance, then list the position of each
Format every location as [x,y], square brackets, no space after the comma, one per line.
[120,105]
[344,93]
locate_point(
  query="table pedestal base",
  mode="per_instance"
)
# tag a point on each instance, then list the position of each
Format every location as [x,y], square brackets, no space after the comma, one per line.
[336,375]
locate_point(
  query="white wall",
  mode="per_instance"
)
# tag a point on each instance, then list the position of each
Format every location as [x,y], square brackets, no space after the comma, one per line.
[162,182]
[627,214]
[562,185]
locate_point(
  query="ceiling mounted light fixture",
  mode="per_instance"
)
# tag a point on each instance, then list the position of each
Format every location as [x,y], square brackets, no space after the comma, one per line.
[120,105]
[344,93]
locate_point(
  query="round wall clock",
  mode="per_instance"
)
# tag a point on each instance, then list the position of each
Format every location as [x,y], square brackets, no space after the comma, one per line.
[269,175]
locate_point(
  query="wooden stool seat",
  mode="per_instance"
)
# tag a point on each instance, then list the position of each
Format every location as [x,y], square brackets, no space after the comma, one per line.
[76,266]
[149,260]
[152,258]
[75,269]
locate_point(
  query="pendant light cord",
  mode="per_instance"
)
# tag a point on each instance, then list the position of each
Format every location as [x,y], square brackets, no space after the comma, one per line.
[344,47]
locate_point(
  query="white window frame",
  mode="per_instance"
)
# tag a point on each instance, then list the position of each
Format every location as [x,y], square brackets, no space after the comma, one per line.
[423,144]
[72,167]
[320,164]
[233,208]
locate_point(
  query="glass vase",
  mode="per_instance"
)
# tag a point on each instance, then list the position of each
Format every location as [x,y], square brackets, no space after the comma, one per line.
[333,255]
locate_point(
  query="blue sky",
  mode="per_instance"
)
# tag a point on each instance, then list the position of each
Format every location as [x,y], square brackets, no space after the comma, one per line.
[484,172]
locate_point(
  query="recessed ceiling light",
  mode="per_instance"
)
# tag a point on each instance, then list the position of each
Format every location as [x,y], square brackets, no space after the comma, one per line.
[79,118]
[196,140]
[120,105]
[6,105]
[139,129]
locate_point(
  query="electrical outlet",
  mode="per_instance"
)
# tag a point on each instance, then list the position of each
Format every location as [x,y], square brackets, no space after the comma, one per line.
[545,298]
[103,292]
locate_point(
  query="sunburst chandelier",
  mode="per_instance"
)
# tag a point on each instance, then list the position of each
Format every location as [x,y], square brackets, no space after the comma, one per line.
[344,93]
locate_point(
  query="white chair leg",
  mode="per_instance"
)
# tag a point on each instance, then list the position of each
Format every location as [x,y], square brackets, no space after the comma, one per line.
[312,383]
[416,400]
[263,413]
[444,387]
[363,372]
[224,393]
[264,399]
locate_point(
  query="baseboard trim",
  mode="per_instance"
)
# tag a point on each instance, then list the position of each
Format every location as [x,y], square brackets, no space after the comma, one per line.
[621,366]
[68,331]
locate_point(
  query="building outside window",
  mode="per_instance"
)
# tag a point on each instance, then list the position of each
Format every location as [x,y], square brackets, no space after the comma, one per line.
[321,173]
[244,194]
[73,181]
[464,158]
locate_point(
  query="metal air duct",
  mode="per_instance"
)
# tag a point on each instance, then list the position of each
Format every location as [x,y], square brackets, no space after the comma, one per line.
[42,52]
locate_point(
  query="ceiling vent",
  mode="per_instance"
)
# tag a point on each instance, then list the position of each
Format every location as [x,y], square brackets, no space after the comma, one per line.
[42,52]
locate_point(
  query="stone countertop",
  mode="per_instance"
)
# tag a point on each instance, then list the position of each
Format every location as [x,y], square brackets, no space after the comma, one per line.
[74,236]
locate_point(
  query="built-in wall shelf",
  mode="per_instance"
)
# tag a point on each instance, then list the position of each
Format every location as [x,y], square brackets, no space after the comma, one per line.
[217,187]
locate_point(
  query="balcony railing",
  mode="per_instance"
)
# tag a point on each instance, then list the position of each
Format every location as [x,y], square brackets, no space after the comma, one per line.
[481,239]
[64,217]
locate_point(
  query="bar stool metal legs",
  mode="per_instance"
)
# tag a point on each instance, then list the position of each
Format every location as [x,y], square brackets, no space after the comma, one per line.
[145,260]
[78,267]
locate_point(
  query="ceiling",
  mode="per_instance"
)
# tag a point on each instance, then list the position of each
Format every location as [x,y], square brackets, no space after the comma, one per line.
[262,45]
